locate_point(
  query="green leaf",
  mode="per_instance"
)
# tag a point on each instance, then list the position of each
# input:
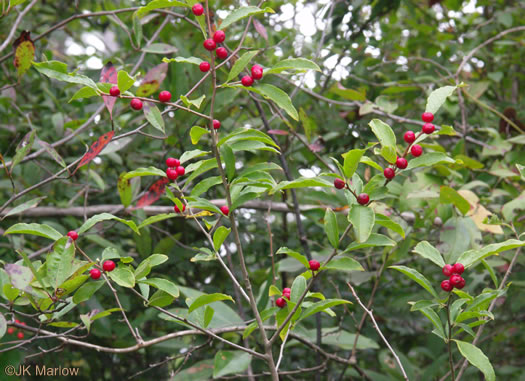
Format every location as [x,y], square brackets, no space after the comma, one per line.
[204,185]
[434,319]
[437,97]
[302,182]
[265,315]
[330,227]
[23,148]
[301,258]
[230,362]
[362,219]
[137,30]
[104,217]
[124,81]
[429,159]
[60,262]
[383,133]
[196,133]
[298,288]
[207,299]
[426,250]
[373,240]
[278,96]
[24,206]
[156,218]
[240,64]
[208,315]
[447,195]
[123,276]
[188,155]
[273,291]
[84,92]
[190,60]
[293,64]
[149,171]
[321,306]
[219,236]
[157,4]
[160,48]
[200,203]
[153,116]
[351,94]
[417,277]
[469,258]
[164,285]
[193,102]
[389,154]
[243,134]
[86,291]
[476,357]
[390,224]
[352,159]
[344,264]
[366,160]
[58,70]
[105,313]
[124,190]
[243,12]
[34,229]
[229,161]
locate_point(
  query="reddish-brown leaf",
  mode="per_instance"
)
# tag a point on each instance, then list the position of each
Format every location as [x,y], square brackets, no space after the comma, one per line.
[109,75]
[260,29]
[24,52]
[152,80]
[95,149]
[153,194]
[278,132]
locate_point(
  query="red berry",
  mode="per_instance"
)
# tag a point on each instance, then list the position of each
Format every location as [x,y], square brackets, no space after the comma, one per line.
[172,162]
[108,265]
[314,265]
[10,330]
[427,117]
[455,279]
[257,72]
[401,163]
[204,66]
[461,283]
[458,268]
[389,173]
[197,9]
[209,44]
[409,137]
[339,184]
[172,173]
[287,291]
[136,104]
[447,270]
[247,81]
[446,285]
[17,321]
[177,210]
[216,124]
[73,235]
[428,128]
[416,150]
[280,302]
[20,335]
[114,91]
[219,36]
[180,170]
[94,273]
[225,210]
[23,323]
[222,53]
[164,96]
[363,199]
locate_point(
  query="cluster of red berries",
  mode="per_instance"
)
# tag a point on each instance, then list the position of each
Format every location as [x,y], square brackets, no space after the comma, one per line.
[362,198]
[281,302]
[108,267]
[455,279]
[415,149]
[11,330]
[174,168]
[257,73]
